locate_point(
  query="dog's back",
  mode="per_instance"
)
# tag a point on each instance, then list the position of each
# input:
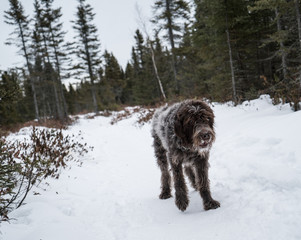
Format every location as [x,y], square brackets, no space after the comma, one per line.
[163,118]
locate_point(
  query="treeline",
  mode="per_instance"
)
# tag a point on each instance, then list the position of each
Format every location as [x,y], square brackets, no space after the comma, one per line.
[219,49]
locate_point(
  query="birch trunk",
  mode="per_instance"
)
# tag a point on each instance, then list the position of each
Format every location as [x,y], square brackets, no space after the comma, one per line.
[156,70]
[149,43]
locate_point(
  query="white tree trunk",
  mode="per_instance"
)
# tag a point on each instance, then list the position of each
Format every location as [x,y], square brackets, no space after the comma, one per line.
[155,68]
[142,22]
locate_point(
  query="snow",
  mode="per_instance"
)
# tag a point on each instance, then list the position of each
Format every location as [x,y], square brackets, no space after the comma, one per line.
[255,174]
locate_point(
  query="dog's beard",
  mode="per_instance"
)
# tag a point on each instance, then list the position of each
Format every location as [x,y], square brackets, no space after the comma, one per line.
[204,151]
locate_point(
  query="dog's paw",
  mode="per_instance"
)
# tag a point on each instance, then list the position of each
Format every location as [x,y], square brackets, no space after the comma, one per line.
[165,195]
[182,203]
[212,204]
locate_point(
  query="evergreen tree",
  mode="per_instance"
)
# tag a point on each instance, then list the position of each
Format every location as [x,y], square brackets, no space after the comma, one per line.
[169,14]
[284,46]
[114,75]
[48,40]
[209,38]
[56,43]
[71,100]
[11,100]
[87,47]
[191,81]
[16,16]
[129,84]
[227,47]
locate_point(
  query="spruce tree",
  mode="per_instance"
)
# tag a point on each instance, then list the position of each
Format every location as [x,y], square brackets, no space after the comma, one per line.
[48,87]
[114,76]
[283,43]
[48,45]
[168,16]
[87,45]
[192,83]
[11,100]
[129,82]
[15,16]
[227,45]
[209,38]
[56,44]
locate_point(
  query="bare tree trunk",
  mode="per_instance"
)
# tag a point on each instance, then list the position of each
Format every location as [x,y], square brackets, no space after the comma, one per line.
[37,115]
[60,88]
[94,97]
[283,54]
[57,101]
[91,75]
[57,63]
[53,79]
[230,56]
[155,68]
[149,43]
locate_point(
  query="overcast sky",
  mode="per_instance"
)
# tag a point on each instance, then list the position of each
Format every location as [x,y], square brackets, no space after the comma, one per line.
[116,21]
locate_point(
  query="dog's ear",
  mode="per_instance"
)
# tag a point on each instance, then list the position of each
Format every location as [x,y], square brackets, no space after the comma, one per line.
[183,127]
[208,116]
[211,119]
[179,126]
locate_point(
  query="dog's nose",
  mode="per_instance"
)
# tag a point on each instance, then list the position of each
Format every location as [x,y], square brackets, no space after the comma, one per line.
[205,136]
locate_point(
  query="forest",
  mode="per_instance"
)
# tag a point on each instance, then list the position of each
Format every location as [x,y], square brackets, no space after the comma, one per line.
[221,50]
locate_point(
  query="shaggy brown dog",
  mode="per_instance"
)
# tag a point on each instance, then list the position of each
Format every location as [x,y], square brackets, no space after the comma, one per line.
[183,135]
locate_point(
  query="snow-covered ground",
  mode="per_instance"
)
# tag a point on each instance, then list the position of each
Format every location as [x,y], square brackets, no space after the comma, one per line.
[255,174]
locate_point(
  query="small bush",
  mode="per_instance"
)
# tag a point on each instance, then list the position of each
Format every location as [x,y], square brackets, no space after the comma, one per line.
[144,115]
[27,163]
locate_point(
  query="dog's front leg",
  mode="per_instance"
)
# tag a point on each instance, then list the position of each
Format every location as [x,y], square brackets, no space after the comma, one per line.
[202,181]
[181,200]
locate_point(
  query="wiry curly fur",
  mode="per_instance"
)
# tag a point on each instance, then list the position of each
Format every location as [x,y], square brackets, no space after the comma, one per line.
[183,135]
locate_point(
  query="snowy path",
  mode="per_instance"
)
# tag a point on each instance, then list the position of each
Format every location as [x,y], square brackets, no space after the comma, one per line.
[255,173]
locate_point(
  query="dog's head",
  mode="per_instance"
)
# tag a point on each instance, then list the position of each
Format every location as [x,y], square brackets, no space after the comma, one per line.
[194,125]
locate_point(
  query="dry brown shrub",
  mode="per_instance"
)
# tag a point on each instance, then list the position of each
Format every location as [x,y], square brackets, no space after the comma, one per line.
[145,115]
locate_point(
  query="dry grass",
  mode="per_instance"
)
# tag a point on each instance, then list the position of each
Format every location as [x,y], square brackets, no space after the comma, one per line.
[144,115]
[49,123]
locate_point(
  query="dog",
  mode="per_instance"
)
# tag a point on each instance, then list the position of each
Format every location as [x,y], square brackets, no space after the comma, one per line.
[183,134]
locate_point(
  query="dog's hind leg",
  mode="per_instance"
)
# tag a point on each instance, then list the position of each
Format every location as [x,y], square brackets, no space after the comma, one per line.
[160,153]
